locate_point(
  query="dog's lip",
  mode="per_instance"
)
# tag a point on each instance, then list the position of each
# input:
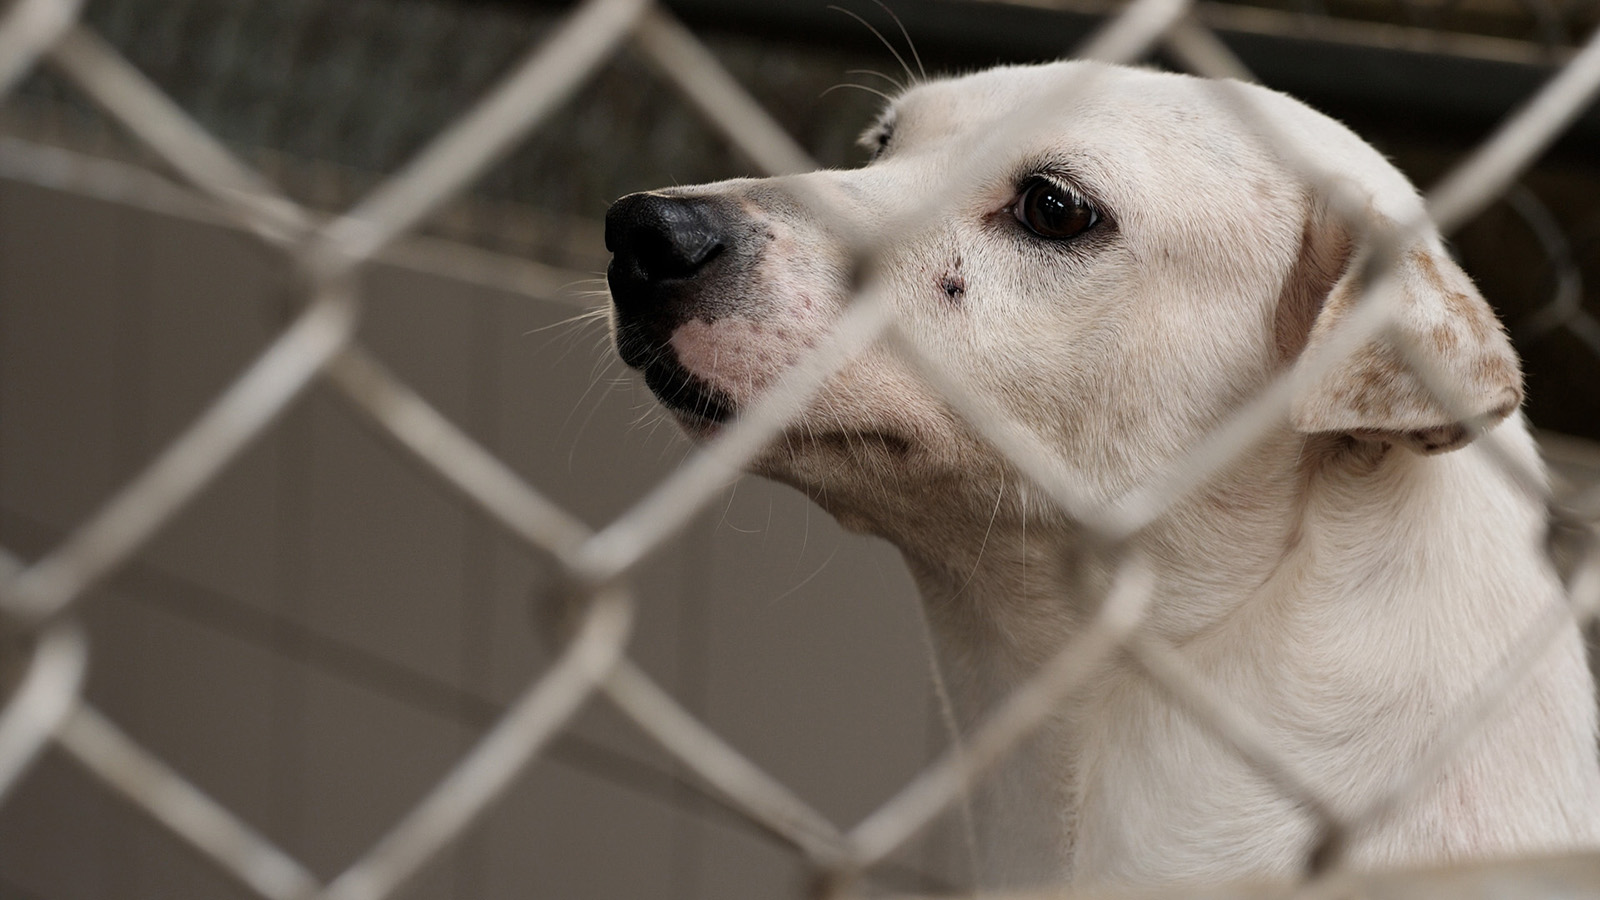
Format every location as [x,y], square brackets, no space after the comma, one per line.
[799,438]
[702,409]
[688,397]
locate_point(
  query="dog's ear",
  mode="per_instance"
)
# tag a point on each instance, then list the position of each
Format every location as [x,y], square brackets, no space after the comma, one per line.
[1373,394]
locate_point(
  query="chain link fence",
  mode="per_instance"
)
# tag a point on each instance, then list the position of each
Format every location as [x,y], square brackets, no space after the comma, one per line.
[41,598]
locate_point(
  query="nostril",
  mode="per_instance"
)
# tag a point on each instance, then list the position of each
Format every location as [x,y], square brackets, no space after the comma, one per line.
[672,254]
[658,238]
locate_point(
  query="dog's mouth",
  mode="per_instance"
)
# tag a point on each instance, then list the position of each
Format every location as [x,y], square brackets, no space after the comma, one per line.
[687,395]
[698,405]
[702,409]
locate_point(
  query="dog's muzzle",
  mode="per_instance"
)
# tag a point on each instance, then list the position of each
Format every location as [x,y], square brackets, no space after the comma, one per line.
[670,263]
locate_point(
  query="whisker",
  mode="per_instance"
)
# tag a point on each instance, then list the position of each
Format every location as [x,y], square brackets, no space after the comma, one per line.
[586,317]
[910,44]
[898,84]
[859,87]
[881,39]
[597,279]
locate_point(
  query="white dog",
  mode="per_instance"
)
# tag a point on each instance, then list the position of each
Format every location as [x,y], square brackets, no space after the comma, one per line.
[1118,260]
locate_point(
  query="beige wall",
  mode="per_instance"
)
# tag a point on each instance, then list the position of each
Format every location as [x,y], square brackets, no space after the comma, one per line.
[326,628]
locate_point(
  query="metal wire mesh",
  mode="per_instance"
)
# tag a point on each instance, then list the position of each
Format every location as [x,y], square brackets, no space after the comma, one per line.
[40,600]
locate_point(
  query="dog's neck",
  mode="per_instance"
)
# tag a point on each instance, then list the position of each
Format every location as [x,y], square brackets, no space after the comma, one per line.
[1003,593]
[1023,588]
[998,612]
[1334,550]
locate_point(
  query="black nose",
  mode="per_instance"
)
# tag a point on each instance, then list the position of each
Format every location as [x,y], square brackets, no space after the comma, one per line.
[655,238]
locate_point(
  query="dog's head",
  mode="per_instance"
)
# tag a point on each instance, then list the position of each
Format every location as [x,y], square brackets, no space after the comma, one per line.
[1116,258]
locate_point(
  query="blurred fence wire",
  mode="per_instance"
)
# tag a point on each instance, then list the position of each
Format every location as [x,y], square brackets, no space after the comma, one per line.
[40,599]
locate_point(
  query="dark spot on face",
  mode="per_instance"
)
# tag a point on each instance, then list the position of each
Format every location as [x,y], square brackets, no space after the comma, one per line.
[955,287]
[953,283]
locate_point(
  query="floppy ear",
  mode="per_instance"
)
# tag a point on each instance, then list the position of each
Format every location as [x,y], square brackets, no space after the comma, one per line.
[1373,394]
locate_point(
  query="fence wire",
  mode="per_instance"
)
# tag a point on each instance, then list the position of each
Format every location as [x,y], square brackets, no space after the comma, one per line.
[40,600]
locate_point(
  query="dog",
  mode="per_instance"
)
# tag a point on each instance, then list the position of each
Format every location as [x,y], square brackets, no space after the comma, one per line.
[1117,259]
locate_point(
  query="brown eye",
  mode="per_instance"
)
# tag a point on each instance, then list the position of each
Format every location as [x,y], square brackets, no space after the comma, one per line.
[1054,211]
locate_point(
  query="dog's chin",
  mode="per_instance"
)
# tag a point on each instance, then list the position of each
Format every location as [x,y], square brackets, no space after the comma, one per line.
[696,427]
[865,475]
[703,410]
[700,408]
[800,445]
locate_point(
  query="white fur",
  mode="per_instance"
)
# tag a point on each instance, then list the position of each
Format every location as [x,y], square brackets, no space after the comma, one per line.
[1344,582]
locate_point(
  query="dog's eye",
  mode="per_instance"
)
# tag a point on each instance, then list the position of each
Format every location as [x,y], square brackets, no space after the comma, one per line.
[1054,211]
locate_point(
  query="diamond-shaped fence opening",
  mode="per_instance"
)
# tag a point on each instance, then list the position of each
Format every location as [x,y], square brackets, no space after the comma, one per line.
[320,474]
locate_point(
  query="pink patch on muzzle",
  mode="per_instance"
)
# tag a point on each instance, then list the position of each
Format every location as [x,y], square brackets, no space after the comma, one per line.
[738,356]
